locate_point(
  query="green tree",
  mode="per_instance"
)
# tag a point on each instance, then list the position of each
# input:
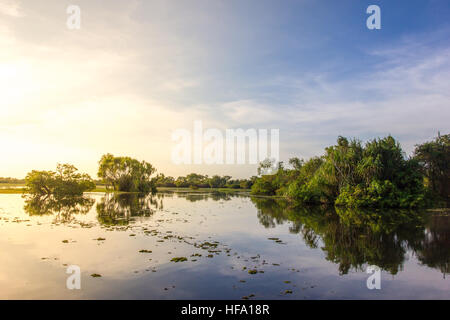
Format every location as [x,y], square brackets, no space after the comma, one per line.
[434,158]
[126,174]
[66,181]
[377,174]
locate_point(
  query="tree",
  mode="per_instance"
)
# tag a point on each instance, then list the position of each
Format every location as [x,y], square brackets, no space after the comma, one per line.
[265,166]
[163,181]
[296,163]
[64,182]
[126,174]
[218,181]
[349,174]
[434,158]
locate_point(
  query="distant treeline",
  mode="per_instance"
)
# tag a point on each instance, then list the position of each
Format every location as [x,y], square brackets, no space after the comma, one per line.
[195,180]
[374,174]
[350,173]
[11,180]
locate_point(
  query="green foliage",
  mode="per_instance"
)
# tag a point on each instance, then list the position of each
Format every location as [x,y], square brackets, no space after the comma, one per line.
[195,181]
[351,174]
[218,181]
[265,185]
[126,174]
[64,182]
[434,158]
[163,181]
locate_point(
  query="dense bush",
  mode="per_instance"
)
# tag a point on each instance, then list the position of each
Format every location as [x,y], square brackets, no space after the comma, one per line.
[377,174]
[434,159]
[126,174]
[64,182]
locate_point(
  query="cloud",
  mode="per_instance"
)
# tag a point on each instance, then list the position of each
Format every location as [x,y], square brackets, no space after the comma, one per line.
[10,8]
[129,77]
[406,95]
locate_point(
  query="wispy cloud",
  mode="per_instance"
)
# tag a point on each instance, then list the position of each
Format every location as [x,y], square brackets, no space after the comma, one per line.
[11,8]
[137,70]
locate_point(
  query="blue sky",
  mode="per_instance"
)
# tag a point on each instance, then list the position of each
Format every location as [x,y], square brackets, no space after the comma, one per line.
[137,70]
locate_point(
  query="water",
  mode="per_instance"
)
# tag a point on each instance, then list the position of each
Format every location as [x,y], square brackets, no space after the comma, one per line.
[297,253]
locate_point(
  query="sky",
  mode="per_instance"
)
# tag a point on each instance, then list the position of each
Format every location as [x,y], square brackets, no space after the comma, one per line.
[138,70]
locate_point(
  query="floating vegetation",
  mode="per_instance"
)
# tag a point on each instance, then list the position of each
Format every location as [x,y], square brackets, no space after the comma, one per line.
[288,292]
[253,271]
[100,239]
[145,251]
[179,259]
[96,275]
[65,241]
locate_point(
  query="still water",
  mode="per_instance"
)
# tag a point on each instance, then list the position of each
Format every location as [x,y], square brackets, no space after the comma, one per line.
[229,247]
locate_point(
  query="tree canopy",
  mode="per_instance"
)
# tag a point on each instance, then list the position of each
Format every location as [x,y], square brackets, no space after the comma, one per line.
[66,181]
[126,174]
[350,173]
[434,158]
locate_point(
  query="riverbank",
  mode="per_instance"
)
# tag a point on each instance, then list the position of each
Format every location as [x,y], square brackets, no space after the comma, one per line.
[200,190]
[20,189]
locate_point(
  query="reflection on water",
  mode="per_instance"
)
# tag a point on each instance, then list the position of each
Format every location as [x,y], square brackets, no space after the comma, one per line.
[353,245]
[121,208]
[433,249]
[323,252]
[64,209]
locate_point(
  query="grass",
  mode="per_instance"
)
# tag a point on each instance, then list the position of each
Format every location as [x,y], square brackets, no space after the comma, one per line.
[12,191]
[2,184]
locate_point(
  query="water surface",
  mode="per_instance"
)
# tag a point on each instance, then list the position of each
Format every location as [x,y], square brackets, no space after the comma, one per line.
[301,253]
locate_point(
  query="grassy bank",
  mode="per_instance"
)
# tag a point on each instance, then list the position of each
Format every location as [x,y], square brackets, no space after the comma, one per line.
[12,190]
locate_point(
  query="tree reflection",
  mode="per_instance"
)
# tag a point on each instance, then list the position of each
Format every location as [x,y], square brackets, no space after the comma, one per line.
[215,196]
[64,208]
[119,209]
[352,239]
[434,249]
